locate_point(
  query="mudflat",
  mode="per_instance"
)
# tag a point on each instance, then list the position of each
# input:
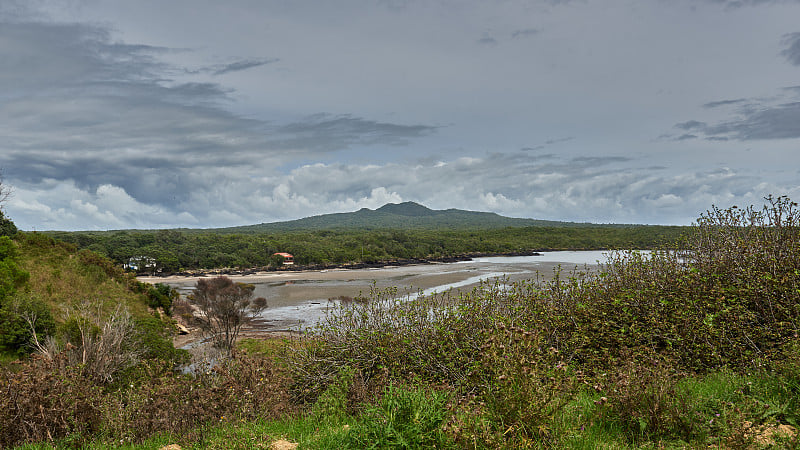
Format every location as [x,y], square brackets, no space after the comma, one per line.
[298,299]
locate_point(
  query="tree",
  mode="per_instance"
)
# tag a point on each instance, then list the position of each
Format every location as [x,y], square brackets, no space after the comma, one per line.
[7,227]
[224,308]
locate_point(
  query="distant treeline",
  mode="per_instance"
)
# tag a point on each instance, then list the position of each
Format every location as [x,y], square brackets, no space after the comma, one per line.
[177,250]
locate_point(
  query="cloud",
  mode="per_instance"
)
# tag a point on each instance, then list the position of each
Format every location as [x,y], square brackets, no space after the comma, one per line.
[735,4]
[774,122]
[93,112]
[524,33]
[588,188]
[236,66]
[547,143]
[756,119]
[47,57]
[59,205]
[724,103]
[487,40]
[105,133]
[792,51]
[326,132]
[691,125]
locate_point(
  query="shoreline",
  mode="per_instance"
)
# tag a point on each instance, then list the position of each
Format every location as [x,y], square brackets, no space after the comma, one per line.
[334,266]
[297,298]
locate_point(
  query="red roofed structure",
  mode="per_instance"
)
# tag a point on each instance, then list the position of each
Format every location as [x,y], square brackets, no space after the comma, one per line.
[288,258]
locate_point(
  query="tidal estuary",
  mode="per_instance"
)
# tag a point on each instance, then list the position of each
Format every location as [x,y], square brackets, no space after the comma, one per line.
[298,299]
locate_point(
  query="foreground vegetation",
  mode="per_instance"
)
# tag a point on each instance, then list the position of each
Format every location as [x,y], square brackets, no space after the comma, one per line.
[696,346]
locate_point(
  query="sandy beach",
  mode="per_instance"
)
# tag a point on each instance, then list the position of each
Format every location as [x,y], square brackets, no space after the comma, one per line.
[297,299]
[288,288]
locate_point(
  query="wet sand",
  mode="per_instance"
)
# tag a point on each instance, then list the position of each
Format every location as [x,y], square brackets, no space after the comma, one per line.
[289,288]
[298,299]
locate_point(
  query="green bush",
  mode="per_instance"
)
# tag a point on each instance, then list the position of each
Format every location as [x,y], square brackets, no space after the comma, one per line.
[12,277]
[406,417]
[7,227]
[154,339]
[20,317]
[726,296]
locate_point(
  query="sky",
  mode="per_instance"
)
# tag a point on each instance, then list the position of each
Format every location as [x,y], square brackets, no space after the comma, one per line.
[194,113]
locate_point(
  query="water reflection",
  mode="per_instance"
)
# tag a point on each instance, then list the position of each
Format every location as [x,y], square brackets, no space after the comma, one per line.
[300,299]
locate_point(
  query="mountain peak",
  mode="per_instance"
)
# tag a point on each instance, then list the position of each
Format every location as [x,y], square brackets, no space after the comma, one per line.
[406,209]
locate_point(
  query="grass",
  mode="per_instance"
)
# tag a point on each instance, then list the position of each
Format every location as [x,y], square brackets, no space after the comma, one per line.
[64,278]
[416,416]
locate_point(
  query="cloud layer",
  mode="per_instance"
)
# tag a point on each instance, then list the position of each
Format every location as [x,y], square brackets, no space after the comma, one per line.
[248,113]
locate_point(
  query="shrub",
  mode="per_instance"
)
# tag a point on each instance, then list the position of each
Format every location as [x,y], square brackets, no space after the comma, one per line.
[98,348]
[406,417]
[438,338]
[22,318]
[159,400]
[7,227]
[224,307]
[161,295]
[99,266]
[643,399]
[524,384]
[727,295]
[12,277]
[154,338]
[45,400]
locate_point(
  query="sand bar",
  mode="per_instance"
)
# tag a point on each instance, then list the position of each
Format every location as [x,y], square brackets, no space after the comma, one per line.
[297,299]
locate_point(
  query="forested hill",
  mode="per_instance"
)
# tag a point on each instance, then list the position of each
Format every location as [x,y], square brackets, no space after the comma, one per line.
[391,232]
[408,215]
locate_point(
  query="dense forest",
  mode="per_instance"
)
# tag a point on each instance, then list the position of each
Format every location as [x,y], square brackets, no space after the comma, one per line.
[177,250]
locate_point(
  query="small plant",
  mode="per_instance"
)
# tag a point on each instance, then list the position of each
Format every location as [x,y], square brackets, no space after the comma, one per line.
[406,417]
[524,384]
[332,404]
[644,400]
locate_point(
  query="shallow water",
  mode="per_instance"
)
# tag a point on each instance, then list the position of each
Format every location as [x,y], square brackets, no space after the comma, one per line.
[298,300]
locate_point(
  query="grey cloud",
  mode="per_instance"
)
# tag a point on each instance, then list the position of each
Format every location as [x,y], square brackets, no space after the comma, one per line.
[795,89]
[547,143]
[691,125]
[237,66]
[599,160]
[46,56]
[98,112]
[685,137]
[755,121]
[525,33]
[792,51]
[595,189]
[487,40]
[324,132]
[772,122]
[556,141]
[724,103]
[244,65]
[734,4]
[102,113]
